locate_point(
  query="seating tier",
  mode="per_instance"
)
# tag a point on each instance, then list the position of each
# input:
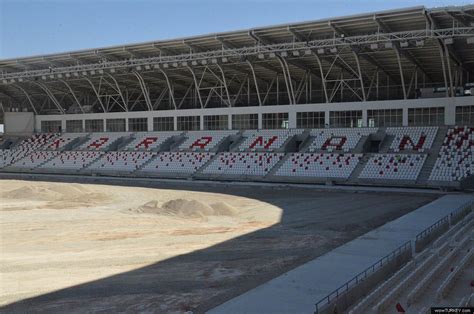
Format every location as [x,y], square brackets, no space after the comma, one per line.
[319,165]
[415,138]
[72,160]
[247,163]
[121,161]
[177,162]
[203,140]
[456,157]
[393,166]
[148,141]
[34,159]
[101,141]
[338,139]
[266,140]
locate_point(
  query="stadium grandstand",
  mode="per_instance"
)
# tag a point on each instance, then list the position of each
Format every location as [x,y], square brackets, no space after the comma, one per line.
[383,99]
[380,98]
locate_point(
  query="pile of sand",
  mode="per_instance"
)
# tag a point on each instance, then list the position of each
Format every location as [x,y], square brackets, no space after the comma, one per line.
[184,208]
[55,193]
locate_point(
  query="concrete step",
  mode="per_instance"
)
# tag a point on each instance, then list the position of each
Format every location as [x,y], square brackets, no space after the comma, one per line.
[358,169]
[278,165]
[201,169]
[430,161]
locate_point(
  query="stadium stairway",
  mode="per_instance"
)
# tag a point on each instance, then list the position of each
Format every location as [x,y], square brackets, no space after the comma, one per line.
[238,140]
[304,146]
[270,176]
[353,178]
[432,156]
[176,141]
[78,142]
[124,141]
[199,174]
[294,143]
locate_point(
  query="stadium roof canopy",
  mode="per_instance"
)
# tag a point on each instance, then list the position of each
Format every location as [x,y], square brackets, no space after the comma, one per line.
[381,55]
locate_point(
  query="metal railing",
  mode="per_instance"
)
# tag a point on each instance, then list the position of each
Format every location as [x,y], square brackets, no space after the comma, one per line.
[362,276]
[430,229]
[464,207]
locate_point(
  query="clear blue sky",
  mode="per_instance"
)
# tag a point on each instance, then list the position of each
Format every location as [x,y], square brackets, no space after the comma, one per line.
[32,27]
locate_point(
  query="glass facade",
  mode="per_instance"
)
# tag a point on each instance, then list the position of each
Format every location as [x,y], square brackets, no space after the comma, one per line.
[384,118]
[346,119]
[216,122]
[96,125]
[51,126]
[275,120]
[74,126]
[465,115]
[115,125]
[138,124]
[426,116]
[245,121]
[310,120]
[188,123]
[163,124]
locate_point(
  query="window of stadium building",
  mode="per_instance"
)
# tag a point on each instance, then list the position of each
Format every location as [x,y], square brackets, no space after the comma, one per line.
[188,123]
[50,126]
[425,116]
[346,119]
[115,125]
[384,118]
[138,124]
[163,124]
[74,126]
[96,125]
[275,120]
[465,115]
[310,120]
[244,121]
[216,122]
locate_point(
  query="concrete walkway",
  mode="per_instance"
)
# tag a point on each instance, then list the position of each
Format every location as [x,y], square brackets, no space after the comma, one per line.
[299,289]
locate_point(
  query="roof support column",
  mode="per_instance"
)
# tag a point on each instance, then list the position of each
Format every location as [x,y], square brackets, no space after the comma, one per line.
[323,78]
[119,91]
[356,56]
[96,94]
[144,89]
[170,89]
[27,97]
[225,85]
[451,86]
[290,98]
[402,79]
[73,95]
[255,82]
[444,69]
[196,86]
[51,96]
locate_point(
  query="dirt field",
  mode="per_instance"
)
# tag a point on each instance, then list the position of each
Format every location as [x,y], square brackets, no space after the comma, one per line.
[69,247]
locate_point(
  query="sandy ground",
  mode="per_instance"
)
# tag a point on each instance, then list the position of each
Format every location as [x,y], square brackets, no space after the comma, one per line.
[69,247]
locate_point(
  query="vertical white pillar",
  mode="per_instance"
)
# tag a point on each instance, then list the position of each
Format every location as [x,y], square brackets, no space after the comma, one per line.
[450,111]
[405,117]
[292,119]
[364,117]
[150,123]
